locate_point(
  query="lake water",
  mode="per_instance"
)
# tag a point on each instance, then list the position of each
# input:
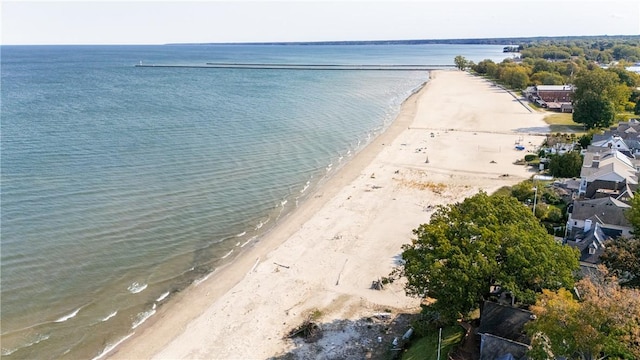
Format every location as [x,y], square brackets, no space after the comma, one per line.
[123,185]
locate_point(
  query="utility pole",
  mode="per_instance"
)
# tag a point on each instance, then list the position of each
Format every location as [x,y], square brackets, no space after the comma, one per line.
[439,342]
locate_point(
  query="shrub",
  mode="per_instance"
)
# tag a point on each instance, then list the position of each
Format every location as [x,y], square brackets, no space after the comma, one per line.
[530,157]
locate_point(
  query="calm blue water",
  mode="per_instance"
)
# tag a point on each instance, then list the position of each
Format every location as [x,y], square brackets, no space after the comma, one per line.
[124,185]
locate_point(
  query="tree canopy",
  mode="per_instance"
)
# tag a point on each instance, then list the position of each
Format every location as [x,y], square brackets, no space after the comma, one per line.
[596,96]
[567,165]
[594,111]
[485,240]
[600,94]
[461,62]
[603,323]
[622,257]
[633,214]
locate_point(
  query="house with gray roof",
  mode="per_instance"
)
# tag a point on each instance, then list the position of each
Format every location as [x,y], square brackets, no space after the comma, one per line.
[610,171]
[501,331]
[607,212]
[591,243]
[612,142]
[629,132]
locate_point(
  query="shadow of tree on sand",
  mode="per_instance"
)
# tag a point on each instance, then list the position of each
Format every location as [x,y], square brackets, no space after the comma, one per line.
[365,338]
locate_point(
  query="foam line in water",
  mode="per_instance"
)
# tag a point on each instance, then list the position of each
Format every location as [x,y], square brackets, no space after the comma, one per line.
[242,234]
[110,347]
[163,296]
[109,316]
[248,241]
[69,316]
[201,280]
[227,254]
[136,287]
[306,186]
[142,317]
[36,340]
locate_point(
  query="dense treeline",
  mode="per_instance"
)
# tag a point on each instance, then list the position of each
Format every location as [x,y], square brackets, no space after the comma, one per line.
[598,68]
[601,51]
[477,41]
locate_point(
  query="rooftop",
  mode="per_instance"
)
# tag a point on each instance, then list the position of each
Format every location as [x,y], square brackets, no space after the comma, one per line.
[554,87]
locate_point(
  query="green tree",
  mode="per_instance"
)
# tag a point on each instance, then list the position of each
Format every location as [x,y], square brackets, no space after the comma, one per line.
[628,78]
[626,52]
[603,324]
[585,140]
[485,67]
[512,75]
[594,111]
[461,62]
[517,78]
[541,65]
[547,78]
[597,96]
[622,257]
[485,240]
[567,165]
[633,214]
[523,190]
[554,215]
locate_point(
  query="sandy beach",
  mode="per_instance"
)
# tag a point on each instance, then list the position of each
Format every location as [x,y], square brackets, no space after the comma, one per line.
[454,137]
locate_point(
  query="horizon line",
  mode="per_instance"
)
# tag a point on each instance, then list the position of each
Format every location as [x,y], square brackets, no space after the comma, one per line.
[452,41]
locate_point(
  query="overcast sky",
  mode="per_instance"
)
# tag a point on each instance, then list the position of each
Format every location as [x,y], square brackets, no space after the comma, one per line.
[159,22]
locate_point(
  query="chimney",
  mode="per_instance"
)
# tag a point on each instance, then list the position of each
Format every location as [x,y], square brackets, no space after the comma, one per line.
[596,161]
[587,225]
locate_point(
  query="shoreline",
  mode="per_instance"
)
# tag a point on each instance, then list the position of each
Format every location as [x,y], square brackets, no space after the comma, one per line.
[229,273]
[350,229]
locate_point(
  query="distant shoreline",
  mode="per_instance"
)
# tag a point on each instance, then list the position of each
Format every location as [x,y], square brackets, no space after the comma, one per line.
[478,41]
[324,67]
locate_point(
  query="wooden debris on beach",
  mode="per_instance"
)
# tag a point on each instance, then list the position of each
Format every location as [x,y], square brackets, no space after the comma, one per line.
[284,266]
[377,285]
[340,273]
[382,315]
[309,331]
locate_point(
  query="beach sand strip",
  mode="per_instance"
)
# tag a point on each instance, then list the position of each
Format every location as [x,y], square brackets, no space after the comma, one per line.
[454,137]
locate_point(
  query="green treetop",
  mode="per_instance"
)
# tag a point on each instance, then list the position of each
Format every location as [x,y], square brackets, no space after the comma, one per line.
[485,240]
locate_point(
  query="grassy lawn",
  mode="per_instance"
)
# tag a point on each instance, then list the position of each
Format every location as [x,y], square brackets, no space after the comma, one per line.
[563,123]
[426,348]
